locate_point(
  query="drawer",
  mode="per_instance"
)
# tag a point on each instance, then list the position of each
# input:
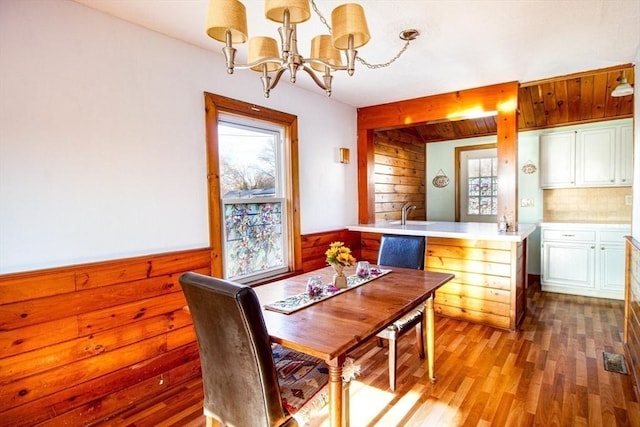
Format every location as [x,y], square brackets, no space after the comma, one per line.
[569,235]
[614,236]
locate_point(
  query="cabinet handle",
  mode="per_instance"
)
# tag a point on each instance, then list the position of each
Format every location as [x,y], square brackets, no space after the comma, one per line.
[568,235]
[593,247]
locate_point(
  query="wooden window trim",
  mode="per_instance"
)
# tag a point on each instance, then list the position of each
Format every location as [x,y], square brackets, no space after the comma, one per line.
[216,104]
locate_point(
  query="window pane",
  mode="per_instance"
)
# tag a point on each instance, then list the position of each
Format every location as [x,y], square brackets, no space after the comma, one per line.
[253,238]
[482,186]
[248,161]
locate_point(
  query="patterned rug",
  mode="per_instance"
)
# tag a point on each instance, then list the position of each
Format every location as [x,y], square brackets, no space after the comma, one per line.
[301,378]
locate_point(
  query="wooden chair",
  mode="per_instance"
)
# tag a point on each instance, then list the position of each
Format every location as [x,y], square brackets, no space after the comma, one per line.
[243,384]
[405,252]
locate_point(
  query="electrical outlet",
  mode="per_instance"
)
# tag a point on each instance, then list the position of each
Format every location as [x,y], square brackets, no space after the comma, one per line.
[628,200]
[526,203]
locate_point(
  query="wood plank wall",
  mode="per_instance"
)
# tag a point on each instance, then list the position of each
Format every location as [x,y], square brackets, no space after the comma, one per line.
[86,340]
[315,245]
[632,310]
[400,164]
[489,281]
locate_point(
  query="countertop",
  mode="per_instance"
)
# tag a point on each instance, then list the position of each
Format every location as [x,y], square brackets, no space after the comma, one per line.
[456,230]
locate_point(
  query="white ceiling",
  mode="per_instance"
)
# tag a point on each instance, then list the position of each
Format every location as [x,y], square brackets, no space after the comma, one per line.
[463,43]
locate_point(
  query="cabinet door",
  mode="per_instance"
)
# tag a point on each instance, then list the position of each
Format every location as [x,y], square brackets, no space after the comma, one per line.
[568,264]
[596,157]
[625,162]
[612,268]
[557,160]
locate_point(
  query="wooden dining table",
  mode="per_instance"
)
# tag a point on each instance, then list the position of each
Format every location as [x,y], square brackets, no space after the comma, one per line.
[331,328]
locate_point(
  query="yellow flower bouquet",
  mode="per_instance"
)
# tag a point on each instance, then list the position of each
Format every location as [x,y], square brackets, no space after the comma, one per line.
[339,254]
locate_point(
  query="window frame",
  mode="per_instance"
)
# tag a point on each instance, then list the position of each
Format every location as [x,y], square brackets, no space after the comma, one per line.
[215,105]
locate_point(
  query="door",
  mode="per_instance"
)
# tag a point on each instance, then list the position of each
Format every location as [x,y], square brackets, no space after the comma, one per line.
[478,201]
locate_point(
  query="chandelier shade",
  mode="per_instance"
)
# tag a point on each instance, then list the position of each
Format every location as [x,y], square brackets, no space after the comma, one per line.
[298,10]
[263,48]
[227,17]
[322,47]
[349,20]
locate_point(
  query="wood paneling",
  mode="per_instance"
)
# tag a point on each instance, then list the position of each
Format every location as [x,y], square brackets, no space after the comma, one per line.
[632,309]
[83,341]
[316,244]
[489,283]
[399,177]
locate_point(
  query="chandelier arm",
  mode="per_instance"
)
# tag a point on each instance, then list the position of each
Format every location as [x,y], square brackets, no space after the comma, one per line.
[315,78]
[326,64]
[260,62]
[275,79]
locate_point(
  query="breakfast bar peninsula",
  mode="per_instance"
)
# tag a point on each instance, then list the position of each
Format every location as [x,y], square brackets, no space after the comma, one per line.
[490,266]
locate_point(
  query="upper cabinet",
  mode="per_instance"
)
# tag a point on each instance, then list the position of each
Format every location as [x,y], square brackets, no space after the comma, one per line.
[598,157]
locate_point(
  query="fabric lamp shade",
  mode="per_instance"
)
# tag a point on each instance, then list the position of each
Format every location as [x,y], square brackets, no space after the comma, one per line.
[227,15]
[298,10]
[261,48]
[322,48]
[348,19]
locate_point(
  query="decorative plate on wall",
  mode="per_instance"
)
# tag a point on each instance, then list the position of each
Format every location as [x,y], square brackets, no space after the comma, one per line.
[440,180]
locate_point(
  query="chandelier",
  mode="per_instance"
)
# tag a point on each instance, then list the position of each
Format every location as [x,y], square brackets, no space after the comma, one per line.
[227,23]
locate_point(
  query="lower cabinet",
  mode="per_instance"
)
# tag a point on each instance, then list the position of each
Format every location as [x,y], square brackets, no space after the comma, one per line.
[582,260]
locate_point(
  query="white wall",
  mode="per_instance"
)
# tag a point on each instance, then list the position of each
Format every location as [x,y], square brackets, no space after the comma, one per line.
[102,142]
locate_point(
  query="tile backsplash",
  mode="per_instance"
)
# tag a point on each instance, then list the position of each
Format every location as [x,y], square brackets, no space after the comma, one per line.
[603,204]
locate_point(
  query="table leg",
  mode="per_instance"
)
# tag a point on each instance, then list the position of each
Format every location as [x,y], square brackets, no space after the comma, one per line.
[430,337]
[335,393]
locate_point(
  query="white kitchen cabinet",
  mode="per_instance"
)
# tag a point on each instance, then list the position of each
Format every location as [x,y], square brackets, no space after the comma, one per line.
[583,260]
[598,157]
[625,171]
[558,160]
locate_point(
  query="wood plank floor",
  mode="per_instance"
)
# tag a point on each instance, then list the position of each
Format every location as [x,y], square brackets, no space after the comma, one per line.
[550,373]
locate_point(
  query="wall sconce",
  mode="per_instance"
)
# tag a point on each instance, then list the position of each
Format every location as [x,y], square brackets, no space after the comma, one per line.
[344,155]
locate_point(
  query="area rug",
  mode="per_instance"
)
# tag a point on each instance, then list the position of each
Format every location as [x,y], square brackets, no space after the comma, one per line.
[614,362]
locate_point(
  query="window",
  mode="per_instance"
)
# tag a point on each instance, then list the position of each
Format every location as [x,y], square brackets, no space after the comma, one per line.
[252,174]
[478,184]
[252,196]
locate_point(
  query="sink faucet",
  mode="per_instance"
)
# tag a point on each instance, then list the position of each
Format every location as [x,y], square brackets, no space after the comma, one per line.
[406,208]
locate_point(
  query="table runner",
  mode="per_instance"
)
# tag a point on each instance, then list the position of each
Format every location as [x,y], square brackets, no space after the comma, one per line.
[296,302]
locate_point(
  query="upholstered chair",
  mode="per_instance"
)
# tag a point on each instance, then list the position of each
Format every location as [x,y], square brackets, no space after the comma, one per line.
[405,252]
[245,378]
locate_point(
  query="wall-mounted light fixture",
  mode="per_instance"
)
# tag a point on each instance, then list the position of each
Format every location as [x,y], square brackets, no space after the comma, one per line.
[344,155]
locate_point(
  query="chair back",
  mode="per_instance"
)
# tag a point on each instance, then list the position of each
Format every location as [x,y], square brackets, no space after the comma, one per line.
[238,372]
[402,251]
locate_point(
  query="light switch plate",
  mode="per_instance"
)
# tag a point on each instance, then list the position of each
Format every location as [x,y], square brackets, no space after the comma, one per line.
[628,200]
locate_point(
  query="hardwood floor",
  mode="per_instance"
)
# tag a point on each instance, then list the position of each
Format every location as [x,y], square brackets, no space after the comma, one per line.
[550,373]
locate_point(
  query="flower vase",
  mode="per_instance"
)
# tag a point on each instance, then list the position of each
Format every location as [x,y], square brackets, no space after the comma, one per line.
[339,279]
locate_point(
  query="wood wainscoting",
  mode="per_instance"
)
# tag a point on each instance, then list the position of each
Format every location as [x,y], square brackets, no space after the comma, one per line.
[315,245]
[84,341]
[632,310]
